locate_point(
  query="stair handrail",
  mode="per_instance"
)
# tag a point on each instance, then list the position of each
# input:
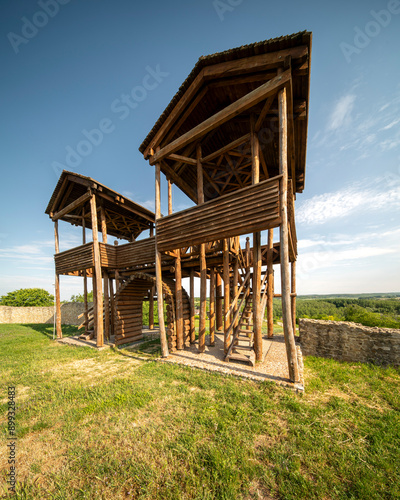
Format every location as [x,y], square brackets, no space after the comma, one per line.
[240,289]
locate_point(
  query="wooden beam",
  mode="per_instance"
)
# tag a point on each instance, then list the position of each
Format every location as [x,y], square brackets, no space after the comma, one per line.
[284,243]
[228,147]
[160,300]
[183,159]
[85,301]
[106,307]
[232,110]
[75,204]
[263,113]
[293,294]
[203,299]
[97,290]
[151,308]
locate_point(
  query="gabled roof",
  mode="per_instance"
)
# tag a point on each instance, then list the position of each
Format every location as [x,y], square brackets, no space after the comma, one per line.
[124,217]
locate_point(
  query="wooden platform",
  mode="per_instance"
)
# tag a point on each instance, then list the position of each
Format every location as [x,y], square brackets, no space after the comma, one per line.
[274,368]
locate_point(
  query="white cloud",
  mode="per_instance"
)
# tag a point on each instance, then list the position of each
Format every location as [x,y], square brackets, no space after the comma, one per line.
[391,124]
[341,115]
[376,195]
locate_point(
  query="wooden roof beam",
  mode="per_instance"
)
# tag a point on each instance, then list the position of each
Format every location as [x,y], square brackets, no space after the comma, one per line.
[75,204]
[231,145]
[214,121]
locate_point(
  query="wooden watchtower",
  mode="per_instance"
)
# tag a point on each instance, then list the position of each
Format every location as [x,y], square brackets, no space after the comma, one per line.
[233,139]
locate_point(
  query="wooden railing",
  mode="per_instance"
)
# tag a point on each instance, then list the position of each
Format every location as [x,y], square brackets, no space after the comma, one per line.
[137,253]
[76,259]
[253,208]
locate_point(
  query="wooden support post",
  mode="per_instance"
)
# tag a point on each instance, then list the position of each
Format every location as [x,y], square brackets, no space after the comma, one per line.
[257,320]
[293,295]
[151,308]
[178,300]
[270,283]
[219,323]
[284,241]
[57,284]
[203,299]
[203,268]
[94,300]
[151,230]
[97,273]
[160,300]
[235,288]
[112,306]
[257,259]
[227,322]
[192,326]
[212,306]
[169,197]
[106,307]
[103,224]
[85,301]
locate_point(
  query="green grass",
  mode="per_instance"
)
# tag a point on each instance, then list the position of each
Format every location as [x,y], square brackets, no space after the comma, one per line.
[117,424]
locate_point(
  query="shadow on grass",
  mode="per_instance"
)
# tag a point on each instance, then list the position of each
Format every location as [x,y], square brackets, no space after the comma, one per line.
[48,329]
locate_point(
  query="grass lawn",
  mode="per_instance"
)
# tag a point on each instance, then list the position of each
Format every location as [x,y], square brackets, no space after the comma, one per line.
[115,424]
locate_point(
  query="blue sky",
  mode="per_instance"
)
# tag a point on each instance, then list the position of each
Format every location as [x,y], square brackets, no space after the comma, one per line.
[66,71]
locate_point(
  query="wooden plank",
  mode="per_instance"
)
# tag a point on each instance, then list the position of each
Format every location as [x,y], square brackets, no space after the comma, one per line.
[232,110]
[183,159]
[75,204]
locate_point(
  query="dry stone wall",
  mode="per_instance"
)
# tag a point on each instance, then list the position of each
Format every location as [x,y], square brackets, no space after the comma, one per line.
[349,341]
[69,314]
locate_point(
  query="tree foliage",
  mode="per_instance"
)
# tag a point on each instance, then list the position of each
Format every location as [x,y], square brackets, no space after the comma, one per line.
[27,297]
[79,297]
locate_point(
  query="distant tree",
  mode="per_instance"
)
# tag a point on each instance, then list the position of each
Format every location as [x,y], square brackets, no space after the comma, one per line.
[27,297]
[79,297]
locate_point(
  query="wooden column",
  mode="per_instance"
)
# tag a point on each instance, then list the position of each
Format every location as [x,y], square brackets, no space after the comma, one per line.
[227,320]
[178,299]
[112,306]
[203,269]
[270,283]
[160,300]
[85,301]
[257,259]
[212,306]
[192,326]
[105,278]
[152,290]
[97,291]
[57,284]
[151,308]
[284,241]
[169,197]
[219,321]
[293,295]
[235,287]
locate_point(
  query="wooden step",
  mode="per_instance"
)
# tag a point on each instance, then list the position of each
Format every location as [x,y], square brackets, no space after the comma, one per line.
[242,330]
[242,348]
[240,357]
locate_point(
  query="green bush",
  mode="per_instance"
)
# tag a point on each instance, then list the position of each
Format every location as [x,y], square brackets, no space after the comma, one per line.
[27,297]
[80,298]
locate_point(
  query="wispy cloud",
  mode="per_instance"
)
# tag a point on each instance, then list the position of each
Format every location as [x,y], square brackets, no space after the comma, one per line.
[374,195]
[341,114]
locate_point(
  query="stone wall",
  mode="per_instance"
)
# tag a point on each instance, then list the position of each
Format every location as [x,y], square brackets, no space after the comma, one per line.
[349,341]
[69,314]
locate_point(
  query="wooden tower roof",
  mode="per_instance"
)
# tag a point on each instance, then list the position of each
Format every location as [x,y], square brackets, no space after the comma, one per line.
[218,83]
[124,217]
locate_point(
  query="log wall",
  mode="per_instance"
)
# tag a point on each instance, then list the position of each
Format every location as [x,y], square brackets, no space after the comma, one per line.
[76,259]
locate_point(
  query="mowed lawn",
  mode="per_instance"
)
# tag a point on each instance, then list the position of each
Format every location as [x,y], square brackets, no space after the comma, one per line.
[117,424]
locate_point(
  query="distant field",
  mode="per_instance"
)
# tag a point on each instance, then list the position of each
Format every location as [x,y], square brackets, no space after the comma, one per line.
[115,424]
